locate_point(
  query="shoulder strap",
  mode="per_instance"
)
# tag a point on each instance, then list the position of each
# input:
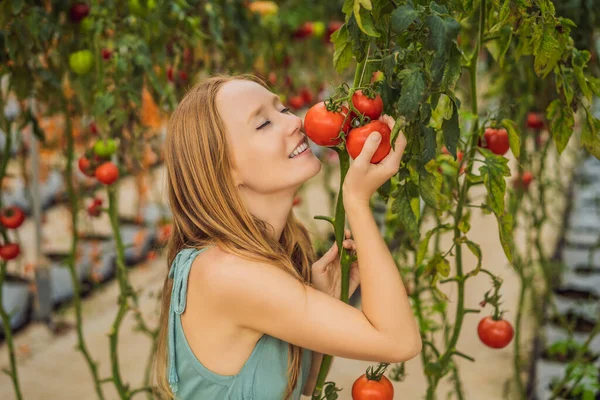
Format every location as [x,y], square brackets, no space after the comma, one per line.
[179,272]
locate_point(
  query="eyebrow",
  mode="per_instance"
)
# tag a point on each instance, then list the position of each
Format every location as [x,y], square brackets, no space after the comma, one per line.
[254,113]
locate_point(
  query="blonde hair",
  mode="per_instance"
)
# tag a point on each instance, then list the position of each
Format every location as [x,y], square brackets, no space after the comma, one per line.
[208,209]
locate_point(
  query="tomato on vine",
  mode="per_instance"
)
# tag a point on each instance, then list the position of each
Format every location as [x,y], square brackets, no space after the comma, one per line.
[323,123]
[9,251]
[368,104]
[95,209]
[524,181]
[107,173]
[105,148]
[535,121]
[357,137]
[495,333]
[373,385]
[85,166]
[296,102]
[81,62]
[496,140]
[78,11]
[12,217]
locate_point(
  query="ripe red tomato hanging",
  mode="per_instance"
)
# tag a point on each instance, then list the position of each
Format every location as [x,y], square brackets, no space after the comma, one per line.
[107,173]
[524,181]
[535,121]
[369,107]
[85,166]
[323,126]
[495,333]
[296,102]
[12,217]
[357,136]
[9,251]
[496,140]
[373,386]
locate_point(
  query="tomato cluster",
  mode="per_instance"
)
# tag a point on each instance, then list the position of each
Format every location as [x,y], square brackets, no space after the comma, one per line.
[98,164]
[11,218]
[325,124]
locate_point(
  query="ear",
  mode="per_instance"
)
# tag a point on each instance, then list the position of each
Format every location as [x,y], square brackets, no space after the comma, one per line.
[237,180]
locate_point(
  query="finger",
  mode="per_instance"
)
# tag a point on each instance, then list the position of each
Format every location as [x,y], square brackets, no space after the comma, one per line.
[331,254]
[348,234]
[388,120]
[348,243]
[369,148]
[394,156]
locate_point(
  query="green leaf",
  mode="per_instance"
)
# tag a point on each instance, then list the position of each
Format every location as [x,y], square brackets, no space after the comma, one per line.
[412,94]
[476,250]
[594,85]
[402,208]
[103,103]
[499,47]
[438,264]
[546,48]
[505,228]
[438,9]
[590,134]
[402,17]
[580,60]
[565,82]
[342,55]
[430,186]
[441,33]
[561,120]
[453,69]
[493,171]
[429,146]
[463,225]
[17,5]
[451,131]
[514,139]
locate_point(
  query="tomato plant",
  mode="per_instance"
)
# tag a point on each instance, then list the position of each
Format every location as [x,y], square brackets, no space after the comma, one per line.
[12,217]
[357,137]
[324,122]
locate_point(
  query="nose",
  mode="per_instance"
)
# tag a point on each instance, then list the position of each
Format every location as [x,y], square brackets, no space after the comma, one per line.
[294,124]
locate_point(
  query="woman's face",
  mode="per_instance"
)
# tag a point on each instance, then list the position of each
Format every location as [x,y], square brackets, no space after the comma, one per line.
[263,135]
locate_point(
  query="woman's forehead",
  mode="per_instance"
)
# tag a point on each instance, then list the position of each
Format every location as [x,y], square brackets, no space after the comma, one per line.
[240,97]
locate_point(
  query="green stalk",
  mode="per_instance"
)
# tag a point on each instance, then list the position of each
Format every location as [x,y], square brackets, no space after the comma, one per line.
[460,307]
[73,200]
[339,223]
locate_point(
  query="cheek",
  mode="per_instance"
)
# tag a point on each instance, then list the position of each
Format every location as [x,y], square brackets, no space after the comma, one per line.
[262,159]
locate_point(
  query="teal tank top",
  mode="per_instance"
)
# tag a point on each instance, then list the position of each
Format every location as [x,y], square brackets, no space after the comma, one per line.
[263,376]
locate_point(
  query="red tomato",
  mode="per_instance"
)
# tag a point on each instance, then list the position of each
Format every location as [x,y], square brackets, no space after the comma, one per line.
[183,76]
[323,126]
[85,166]
[496,140]
[495,334]
[93,128]
[371,108]
[78,11]
[170,74]
[525,180]
[12,217]
[303,31]
[272,78]
[106,54]
[307,95]
[94,209]
[365,389]
[357,136]
[535,121]
[296,102]
[9,251]
[107,173]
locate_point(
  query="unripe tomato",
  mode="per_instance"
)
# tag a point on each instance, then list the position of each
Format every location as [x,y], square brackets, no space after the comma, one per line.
[495,333]
[377,76]
[318,28]
[366,389]
[81,62]
[323,126]
[12,217]
[9,251]
[357,137]
[371,108]
[105,148]
[85,166]
[137,9]
[263,8]
[107,173]
[78,11]
[535,121]
[496,140]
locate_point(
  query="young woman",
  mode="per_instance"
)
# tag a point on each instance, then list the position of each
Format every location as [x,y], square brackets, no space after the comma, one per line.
[246,312]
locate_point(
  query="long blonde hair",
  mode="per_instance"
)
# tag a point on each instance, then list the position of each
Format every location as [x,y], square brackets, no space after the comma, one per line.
[208,209]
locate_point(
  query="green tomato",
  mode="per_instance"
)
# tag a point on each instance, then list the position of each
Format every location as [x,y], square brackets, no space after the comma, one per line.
[105,148]
[86,25]
[137,9]
[318,29]
[81,62]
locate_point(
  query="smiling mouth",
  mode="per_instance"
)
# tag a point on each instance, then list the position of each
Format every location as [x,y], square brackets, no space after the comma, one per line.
[299,150]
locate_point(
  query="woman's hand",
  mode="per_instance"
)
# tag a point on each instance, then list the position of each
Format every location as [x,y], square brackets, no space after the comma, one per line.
[326,272]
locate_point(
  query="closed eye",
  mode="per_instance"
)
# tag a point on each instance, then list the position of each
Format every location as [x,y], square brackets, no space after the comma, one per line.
[267,122]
